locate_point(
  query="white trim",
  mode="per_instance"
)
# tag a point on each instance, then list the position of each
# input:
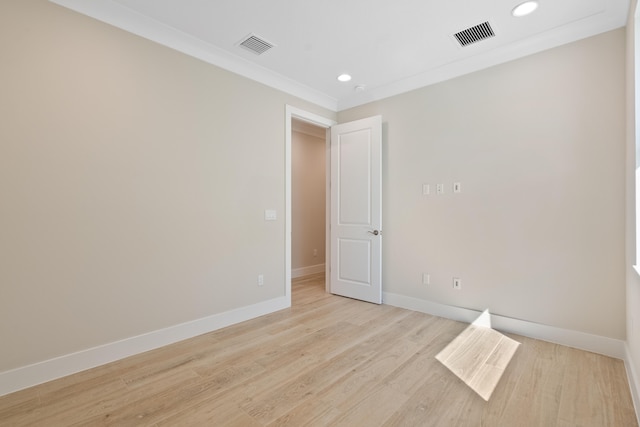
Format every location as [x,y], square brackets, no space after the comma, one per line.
[634,381]
[607,20]
[129,20]
[290,113]
[581,340]
[327,212]
[305,271]
[38,373]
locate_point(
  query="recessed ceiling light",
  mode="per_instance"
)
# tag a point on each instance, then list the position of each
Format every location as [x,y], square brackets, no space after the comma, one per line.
[524,8]
[344,78]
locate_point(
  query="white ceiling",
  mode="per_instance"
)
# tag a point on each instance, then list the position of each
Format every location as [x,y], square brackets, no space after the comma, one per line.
[389,47]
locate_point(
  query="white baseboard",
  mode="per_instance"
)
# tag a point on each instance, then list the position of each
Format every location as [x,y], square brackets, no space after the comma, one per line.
[38,373]
[305,271]
[594,343]
[634,381]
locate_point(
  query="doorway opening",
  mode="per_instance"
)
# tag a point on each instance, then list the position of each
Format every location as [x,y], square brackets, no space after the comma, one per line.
[302,123]
[308,199]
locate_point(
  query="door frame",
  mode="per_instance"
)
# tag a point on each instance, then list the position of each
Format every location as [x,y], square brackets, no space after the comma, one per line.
[326,123]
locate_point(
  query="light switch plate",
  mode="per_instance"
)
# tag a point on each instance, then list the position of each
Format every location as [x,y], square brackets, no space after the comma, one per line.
[270,215]
[426,279]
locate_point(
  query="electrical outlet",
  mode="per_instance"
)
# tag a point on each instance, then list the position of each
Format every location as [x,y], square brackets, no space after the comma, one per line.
[457,283]
[426,279]
[260,280]
[440,188]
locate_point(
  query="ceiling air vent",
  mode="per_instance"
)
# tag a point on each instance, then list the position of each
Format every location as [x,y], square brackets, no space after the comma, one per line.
[474,34]
[255,44]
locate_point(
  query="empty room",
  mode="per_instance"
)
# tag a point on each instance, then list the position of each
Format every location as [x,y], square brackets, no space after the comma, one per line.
[362,213]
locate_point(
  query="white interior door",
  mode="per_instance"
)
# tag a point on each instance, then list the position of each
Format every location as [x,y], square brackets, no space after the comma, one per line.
[356,209]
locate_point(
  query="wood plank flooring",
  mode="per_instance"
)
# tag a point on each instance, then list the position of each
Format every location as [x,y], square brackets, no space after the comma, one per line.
[479,357]
[330,361]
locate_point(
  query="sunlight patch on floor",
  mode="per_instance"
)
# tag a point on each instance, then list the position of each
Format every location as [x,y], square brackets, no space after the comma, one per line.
[479,355]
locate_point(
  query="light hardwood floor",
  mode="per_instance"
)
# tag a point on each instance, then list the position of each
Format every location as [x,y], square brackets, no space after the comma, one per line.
[330,361]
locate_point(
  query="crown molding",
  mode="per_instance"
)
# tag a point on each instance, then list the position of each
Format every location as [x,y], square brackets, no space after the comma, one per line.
[583,28]
[131,21]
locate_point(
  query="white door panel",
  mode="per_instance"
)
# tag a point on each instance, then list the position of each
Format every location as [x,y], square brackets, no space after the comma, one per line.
[358,253]
[355,178]
[356,209]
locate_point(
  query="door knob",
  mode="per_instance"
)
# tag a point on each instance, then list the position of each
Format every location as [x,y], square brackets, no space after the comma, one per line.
[374,232]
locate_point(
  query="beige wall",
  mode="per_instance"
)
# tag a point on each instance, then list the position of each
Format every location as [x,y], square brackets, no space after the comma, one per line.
[133,192]
[538,230]
[633,280]
[308,173]
[132,188]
